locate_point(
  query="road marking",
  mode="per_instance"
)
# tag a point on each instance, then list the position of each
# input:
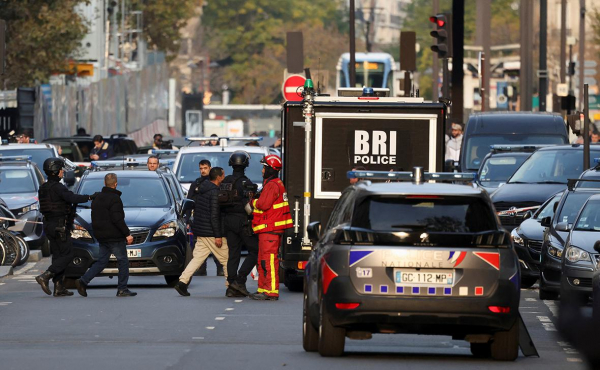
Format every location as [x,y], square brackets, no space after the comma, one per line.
[229,309]
[238,301]
[28,266]
[544,318]
[531,312]
[5,303]
[572,359]
[553,307]
[548,326]
[210,327]
[197,337]
[530,299]
[19,277]
[2,283]
[219,318]
[563,344]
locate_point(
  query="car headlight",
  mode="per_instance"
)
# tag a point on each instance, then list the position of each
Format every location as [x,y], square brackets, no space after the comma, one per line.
[31,207]
[517,239]
[575,255]
[555,252]
[166,230]
[79,232]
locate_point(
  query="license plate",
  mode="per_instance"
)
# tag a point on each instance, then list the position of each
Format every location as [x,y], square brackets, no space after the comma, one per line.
[131,253]
[424,277]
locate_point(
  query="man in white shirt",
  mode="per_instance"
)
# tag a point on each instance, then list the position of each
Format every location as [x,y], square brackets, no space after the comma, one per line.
[453,142]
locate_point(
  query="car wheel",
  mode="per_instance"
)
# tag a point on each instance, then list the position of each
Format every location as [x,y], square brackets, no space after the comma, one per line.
[69,283]
[527,282]
[546,295]
[171,280]
[481,350]
[292,282]
[310,335]
[331,339]
[45,248]
[505,344]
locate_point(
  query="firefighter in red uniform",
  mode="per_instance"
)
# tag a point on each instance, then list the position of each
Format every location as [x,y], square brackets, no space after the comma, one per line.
[271,216]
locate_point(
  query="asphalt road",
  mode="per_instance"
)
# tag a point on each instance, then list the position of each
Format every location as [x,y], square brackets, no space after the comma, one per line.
[159,329]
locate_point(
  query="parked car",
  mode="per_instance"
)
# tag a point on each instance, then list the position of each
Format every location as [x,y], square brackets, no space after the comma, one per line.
[544,173]
[417,258]
[528,238]
[121,144]
[154,213]
[38,152]
[508,128]
[581,258]
[500,164]
[20,180]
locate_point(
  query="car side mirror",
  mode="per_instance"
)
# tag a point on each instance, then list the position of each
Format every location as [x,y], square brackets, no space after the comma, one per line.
[563,226]
[597,246]
[69,178]
[187,205]
[314,231]
[546,221]
[527,215]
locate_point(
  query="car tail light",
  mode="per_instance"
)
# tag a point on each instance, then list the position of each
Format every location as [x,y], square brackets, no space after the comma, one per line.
[327,275]
[346,306]
[302,265]
[499,309]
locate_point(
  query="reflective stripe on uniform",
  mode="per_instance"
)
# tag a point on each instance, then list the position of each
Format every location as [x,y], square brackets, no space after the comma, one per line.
[279,205]
[286,222]
[260,290]
[259,227]
[273,287]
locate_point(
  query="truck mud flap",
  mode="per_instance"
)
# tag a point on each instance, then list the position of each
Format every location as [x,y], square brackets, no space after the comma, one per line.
[525,341]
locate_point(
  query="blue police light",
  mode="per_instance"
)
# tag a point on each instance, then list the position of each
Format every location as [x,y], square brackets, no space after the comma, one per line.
[209,138]
[164,151]
[15,158]
[167,162]
[408,176]
[4,141]
[101,164]
[596,160]
[516,148]
[368,91]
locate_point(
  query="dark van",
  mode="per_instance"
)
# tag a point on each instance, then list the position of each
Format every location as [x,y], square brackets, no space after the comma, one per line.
[508,128]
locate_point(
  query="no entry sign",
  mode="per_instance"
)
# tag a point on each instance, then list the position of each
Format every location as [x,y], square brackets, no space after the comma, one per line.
[292,86]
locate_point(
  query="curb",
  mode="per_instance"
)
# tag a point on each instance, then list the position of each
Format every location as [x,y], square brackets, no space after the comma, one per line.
[34,256]
[5,270]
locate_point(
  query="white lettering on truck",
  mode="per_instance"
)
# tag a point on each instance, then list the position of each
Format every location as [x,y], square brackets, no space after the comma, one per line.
[374,149]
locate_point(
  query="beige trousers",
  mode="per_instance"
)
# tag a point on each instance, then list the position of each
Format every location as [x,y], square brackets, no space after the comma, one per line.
[203,248]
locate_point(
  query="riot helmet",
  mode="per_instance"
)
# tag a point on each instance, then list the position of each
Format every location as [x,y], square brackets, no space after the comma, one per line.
[53,165]
[239,158]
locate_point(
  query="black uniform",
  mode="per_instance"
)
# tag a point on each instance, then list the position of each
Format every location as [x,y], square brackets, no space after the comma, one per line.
[56,204]
[192,194]
[238,230]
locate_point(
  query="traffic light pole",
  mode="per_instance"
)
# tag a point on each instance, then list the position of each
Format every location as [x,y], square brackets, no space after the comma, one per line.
[445,79]
[586,127]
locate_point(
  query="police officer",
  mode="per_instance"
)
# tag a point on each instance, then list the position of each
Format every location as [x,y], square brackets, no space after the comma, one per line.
[271,216]
[56,204]
[237,225]
[102,150]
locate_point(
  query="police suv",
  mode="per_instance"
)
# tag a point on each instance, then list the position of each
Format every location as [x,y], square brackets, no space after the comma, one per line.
[412,257]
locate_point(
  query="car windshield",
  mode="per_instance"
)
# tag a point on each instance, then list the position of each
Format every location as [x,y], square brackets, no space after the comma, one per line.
[499,169]
[14,181]
[188,171]
[589,220]
[477,147]
[571,206]
[38,156]
[426,213]
[550,167]
[548,209]
[137,191]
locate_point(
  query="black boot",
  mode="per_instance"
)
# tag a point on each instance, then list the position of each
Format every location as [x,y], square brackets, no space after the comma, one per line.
[60,290]
[126,293]
[232,293]
[181,288]
[240,288]
[44,280]
[81,287]
[263,297]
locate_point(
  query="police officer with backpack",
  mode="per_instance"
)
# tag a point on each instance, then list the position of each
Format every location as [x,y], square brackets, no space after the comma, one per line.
[234,195]
[56,204]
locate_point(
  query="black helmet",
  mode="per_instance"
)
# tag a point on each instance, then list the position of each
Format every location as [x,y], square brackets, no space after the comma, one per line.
[239,158]
[52,166]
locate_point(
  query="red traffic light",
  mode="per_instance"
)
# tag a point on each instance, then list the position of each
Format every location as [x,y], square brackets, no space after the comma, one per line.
[437,20]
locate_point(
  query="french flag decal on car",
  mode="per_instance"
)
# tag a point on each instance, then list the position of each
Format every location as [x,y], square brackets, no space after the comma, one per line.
[457,257]
[492,258]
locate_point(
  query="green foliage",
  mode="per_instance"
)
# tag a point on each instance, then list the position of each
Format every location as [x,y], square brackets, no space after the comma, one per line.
[41,36]
[253,34]
[163,19]
[594,17]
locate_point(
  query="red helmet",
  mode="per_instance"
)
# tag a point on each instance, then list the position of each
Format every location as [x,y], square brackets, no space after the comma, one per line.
[272,161]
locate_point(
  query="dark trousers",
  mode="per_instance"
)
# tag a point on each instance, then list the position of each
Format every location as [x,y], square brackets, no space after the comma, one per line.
[62,251]
[237,236]
[119,249]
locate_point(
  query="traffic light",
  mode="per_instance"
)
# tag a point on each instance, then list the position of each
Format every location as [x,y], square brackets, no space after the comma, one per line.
[442,34]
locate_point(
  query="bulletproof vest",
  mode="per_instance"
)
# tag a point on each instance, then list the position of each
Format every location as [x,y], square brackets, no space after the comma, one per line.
[229,194]
[50,203]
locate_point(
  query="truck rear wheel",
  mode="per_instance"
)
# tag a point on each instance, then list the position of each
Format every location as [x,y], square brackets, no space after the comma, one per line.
[505,344]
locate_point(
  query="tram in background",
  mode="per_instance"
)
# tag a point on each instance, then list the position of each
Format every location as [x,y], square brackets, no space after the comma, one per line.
[372,70]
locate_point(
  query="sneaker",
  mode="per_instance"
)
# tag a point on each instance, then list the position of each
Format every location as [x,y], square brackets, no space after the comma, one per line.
[126,293]
[264,297]
[181,288]
[232,293]
[240,288]
[81,288]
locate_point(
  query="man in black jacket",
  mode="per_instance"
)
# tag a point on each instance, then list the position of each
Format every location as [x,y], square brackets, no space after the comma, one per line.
[108,223]
[204,167]
[56,204]
[208,229]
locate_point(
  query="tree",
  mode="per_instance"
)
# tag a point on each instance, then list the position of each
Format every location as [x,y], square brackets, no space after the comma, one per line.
[252,34]
[162,21]
[41,35]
